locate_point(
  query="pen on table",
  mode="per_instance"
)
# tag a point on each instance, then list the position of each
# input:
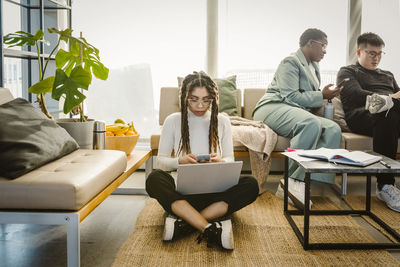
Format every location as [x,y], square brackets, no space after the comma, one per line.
[385,164]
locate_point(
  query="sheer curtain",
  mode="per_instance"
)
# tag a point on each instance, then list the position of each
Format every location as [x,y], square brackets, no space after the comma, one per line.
[146,45]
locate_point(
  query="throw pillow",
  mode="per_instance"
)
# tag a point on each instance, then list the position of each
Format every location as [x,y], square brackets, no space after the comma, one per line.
[338,115]
[227,93]
[28,139]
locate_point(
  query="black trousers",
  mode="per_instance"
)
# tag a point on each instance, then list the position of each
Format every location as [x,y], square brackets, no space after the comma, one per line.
[384,129]
[161,186]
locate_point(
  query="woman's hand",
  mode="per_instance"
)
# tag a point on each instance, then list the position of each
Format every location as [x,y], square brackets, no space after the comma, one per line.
[215,158]
[328,93]
[187,159]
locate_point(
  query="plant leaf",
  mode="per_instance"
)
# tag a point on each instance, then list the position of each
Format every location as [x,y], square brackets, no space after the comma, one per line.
[65,35]
[44,86]
[21,38]
[68,86]
[99,70]
[68,60]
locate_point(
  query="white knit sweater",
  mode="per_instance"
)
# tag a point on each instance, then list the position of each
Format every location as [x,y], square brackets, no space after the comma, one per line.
[198,134]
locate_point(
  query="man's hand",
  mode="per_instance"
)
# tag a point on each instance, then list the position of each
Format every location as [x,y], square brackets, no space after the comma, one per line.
[187,159]
[330,93]
[396,95]
[215,158]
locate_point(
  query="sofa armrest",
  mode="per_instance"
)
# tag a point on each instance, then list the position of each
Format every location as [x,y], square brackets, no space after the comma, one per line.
[5,95]
[169,102]
[250,99]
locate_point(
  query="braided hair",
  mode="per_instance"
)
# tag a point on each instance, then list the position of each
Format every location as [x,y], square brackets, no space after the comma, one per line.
[190,82]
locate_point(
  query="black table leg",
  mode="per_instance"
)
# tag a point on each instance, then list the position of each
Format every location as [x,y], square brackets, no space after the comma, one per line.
[286,186]
[368,194]
[307,210]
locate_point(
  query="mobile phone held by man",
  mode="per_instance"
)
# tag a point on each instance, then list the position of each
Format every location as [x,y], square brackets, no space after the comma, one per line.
[201,158]
[341,83]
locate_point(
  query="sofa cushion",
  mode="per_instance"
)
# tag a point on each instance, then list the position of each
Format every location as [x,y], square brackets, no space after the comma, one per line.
[28,139]
[355,141]
[227,93]
[5,95]
[338,115]
[282,143]
[64,184]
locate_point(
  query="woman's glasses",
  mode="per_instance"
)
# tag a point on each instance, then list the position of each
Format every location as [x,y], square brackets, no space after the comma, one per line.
[323,45]
[197,102]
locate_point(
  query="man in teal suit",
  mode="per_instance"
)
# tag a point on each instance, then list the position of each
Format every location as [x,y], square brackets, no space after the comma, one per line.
[287,103]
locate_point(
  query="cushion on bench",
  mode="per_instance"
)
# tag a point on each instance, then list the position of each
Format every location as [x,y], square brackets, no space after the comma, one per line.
[64,184]
[360,142]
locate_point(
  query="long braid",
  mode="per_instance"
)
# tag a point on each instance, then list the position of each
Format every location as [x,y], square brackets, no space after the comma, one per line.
[191,81]
[213,139]
[184,143]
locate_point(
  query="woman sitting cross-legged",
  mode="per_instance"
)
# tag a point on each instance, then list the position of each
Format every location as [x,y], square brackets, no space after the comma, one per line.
[198,129]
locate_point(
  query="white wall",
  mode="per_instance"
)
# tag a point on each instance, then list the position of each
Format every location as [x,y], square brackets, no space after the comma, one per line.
[383,18]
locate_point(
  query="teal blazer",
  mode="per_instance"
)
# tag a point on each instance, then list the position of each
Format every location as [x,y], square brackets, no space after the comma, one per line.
[294,84]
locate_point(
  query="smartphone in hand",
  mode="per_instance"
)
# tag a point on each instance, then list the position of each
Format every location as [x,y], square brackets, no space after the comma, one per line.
[203,157]
[342,83]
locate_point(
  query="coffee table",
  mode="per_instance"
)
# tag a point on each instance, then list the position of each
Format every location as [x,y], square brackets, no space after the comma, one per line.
[319,166]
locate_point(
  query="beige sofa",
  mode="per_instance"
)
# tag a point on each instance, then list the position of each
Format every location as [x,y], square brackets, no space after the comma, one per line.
[169,104]
[62,192]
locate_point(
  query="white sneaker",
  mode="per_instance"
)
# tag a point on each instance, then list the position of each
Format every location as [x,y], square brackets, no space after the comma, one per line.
[175,228]
[218,234]
[390,194]
[279,193]
[296,192]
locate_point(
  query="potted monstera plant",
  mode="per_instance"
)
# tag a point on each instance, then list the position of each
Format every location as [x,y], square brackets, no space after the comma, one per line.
[73,75]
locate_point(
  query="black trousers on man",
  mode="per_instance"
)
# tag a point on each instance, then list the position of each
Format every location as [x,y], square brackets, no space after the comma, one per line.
[161,186]
[384,128]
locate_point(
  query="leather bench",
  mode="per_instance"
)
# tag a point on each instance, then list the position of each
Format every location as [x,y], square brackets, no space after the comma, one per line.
[65,191]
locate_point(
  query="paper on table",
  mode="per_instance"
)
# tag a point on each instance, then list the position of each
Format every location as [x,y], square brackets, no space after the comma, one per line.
[294,155]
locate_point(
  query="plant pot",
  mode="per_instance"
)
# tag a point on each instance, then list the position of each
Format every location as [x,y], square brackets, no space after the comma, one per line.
[82,132]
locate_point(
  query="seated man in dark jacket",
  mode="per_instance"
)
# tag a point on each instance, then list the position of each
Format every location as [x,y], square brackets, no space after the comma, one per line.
[372,107]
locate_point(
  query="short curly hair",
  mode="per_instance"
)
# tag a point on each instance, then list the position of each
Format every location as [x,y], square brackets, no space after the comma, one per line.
[311,34]
[369,38]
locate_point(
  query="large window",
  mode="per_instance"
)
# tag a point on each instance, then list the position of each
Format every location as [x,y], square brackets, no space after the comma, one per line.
[256,35]
[146,45]
[20,65]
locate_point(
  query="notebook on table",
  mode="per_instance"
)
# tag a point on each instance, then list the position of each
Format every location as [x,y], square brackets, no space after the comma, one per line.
[207,177]
[342,156]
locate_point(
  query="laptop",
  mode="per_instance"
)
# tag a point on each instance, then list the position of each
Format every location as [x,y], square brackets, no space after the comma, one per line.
[207,177]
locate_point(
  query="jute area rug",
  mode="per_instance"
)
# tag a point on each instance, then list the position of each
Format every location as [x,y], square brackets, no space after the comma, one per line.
[263,237]
[390,217]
